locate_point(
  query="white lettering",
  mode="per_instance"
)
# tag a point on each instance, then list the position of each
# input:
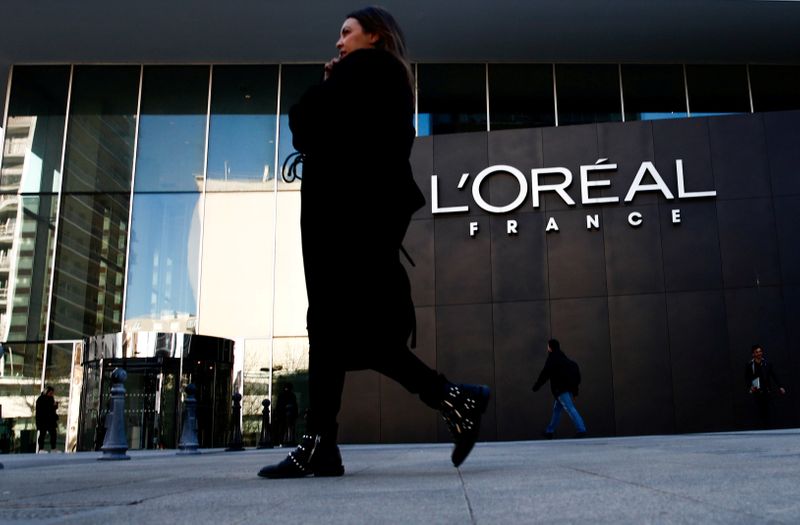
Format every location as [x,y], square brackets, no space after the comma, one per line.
[537,188]
[586,183]
[660,185]
[552,225]
[435,208]
[682,193]
[655,183]
[676,216]
[476,188]
[473,229]
[635,219]
[511,226]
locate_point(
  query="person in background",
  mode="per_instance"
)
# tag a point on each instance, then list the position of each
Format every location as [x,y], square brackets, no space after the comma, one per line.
[565,377]
[46,417]
[762,384]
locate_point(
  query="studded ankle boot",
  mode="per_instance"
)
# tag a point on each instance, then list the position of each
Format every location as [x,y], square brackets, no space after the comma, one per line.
[317,455]
[326,460]
[296,465]
[462,408]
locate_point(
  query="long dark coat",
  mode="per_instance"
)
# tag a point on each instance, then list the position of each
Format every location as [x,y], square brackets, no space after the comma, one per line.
[358,194]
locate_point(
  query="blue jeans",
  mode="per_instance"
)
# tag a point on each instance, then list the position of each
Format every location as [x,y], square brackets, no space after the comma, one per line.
[564,402]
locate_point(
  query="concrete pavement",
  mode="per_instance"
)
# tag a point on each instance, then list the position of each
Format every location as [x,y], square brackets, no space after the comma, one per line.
[745,477]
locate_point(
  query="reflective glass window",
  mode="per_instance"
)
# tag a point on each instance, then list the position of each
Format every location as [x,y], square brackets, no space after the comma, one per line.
[90,265]
[58,367]
[775,88]
[22,380]
[653,92]
[521,96]
[717,90]
[102,124]
[295,80]
[451,98]
[164,256]
[34,130]
[27,225]
[172,129]
[587,93]
[238,233]
[241,142]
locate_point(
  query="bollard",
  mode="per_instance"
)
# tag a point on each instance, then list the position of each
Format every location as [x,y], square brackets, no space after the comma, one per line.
[115,443]
[265,441]
[236,444]
[189,443]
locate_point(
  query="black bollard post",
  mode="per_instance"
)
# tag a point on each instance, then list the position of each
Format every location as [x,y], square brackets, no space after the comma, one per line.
[115,443]
[189,443]
[235,444]
[265,441]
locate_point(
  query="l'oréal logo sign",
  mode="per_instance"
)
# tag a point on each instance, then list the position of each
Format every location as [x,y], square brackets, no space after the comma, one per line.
[592,177]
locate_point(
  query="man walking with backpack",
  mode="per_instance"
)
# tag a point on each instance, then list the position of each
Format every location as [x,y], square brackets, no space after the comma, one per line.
[564,376]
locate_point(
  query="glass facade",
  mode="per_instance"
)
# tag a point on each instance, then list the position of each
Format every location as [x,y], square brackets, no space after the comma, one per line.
[172,129]
[588,93]
[521,96]
[242,134]
[451,98]
[774,88]
[653,92]
[717,90]
[167,216]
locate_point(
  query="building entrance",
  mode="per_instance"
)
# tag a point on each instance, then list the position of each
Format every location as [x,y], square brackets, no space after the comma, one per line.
[159,366]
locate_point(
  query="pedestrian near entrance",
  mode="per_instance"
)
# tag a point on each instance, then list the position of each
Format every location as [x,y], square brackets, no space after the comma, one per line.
[355,131]
[286,415]
[46,417]
[565,377]
[763,384]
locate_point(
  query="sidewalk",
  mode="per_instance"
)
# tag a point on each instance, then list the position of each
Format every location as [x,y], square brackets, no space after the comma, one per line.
[746,477]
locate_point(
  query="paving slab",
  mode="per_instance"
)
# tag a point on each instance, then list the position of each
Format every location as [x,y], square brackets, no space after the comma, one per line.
[740,477]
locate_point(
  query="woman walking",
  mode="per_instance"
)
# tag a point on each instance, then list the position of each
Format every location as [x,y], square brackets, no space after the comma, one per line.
[355,133]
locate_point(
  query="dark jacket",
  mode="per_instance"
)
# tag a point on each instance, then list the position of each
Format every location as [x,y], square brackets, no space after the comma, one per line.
[46,417]
[356,132]
[765,373]
[563,373]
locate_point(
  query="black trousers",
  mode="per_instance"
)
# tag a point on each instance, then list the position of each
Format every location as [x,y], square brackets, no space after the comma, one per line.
[762,401]
[53,434]
[327,372]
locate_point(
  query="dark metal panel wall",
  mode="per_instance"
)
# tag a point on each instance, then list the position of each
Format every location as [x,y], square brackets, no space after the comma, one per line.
[660,317]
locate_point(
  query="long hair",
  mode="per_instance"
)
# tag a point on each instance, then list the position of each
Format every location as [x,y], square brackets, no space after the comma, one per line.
[378,21]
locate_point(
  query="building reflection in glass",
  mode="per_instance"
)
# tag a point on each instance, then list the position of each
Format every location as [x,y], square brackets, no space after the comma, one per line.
[241,146]
[159,366]
[90,265]
[172,128]
[163,262]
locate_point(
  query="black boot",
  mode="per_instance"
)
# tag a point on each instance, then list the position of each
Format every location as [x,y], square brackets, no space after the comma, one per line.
[326,461]
[315,455]
[295,465]
[462,408]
